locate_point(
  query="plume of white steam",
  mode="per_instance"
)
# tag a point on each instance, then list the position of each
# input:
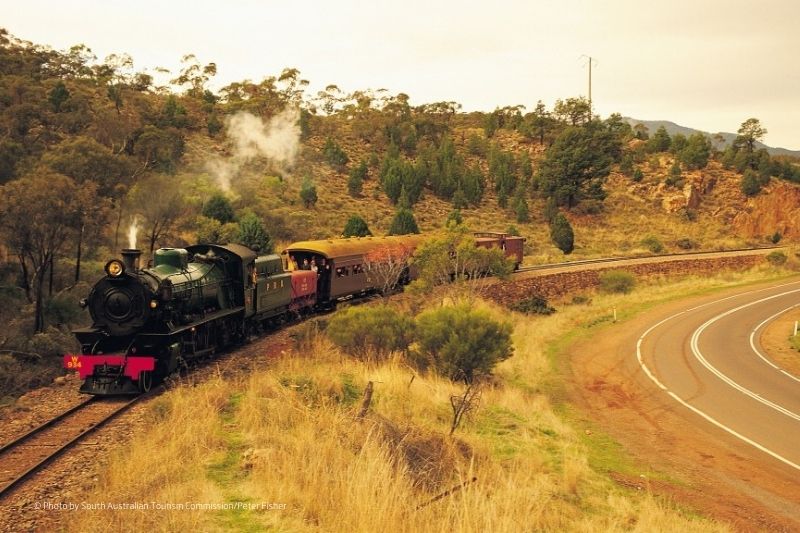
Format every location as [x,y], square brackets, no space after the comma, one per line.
[133,229]
[278,140]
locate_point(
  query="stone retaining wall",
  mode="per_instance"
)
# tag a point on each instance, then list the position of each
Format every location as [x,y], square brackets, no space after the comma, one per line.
[565,283]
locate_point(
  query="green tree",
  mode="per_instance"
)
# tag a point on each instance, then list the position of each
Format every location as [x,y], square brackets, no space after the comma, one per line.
[403,223]
[253,235]
[58,96]
[750,132]
[640,132]
[355,181]
[480,344]
[561,233]
[576,165]
[37,240]
[678,143]
[194,76]
[219,207]
[660,141]
[638,175]
[696,152]
[538,124]
[356,227]
[84,159]
[491,123]
[334,154]
[212,231]
[453,256]
[674,178]
[521,208]
[573,111]
[750,184]
[308,193]
[454,218]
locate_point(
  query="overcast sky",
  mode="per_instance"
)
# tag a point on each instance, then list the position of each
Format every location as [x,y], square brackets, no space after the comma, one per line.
[707,64]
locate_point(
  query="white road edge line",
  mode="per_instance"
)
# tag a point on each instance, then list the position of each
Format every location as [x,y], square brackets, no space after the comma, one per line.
[695,345]
[697,411]
[758,353]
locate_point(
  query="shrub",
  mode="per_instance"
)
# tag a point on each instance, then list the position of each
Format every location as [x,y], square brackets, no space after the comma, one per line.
[750,184]
[776,258]
[477,145]
[561,234]
[355,181]
[403,223]
[675,178]
[219,208]
[375,330]
[334,154]
[580,299]
[356,227]
[521,209]
[308,193]
[462,343]
[653,244]
[536,305]
[253,235]
[617,281]
[454,218]
[626,165]
[687,214]
[775,238]
[685,244]
[638,175]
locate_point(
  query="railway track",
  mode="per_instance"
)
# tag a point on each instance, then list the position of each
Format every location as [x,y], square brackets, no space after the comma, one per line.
[549,266]
[29,453]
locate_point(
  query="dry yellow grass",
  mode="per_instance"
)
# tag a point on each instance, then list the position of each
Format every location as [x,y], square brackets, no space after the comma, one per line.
[289,435]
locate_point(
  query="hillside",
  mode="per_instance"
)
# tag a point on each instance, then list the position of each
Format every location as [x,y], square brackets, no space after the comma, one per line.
[726,138]
[708,211]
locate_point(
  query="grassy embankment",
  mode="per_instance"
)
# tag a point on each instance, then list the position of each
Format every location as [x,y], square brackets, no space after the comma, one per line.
[289,435]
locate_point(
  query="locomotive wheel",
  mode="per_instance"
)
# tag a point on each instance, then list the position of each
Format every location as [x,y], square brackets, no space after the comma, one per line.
[145,381]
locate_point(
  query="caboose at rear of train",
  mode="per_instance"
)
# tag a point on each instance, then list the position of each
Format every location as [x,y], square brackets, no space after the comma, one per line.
[191,303]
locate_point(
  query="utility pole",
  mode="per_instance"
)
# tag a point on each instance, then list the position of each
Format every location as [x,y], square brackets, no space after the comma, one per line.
[590,60]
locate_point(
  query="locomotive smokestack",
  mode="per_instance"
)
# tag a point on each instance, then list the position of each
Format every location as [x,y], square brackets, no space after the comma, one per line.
[130,257]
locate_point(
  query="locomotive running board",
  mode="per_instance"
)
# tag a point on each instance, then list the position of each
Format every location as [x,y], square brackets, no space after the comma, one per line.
[205,320]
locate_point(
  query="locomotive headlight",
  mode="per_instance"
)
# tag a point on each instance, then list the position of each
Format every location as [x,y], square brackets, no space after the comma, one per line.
[153,304]
[115,268]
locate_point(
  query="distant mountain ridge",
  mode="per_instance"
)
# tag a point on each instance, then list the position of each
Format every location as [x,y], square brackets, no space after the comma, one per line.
[672,129]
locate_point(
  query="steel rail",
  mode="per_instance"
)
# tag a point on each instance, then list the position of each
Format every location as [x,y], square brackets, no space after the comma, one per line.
[22,440]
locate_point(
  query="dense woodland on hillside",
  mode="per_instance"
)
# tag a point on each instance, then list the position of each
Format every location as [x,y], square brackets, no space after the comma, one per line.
[90,147]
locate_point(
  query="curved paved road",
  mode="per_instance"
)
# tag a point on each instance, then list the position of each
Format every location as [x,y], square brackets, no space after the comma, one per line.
[708,359]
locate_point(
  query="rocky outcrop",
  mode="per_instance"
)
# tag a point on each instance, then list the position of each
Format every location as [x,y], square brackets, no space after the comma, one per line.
[775,209]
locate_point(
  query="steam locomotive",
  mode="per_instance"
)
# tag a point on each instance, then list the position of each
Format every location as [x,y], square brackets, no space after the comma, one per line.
[193,302]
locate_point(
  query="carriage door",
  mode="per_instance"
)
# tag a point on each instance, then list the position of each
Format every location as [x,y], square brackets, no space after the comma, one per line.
[250,290]
[324,277]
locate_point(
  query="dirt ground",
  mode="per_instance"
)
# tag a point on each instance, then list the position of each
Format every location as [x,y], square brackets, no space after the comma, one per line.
[681,457]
